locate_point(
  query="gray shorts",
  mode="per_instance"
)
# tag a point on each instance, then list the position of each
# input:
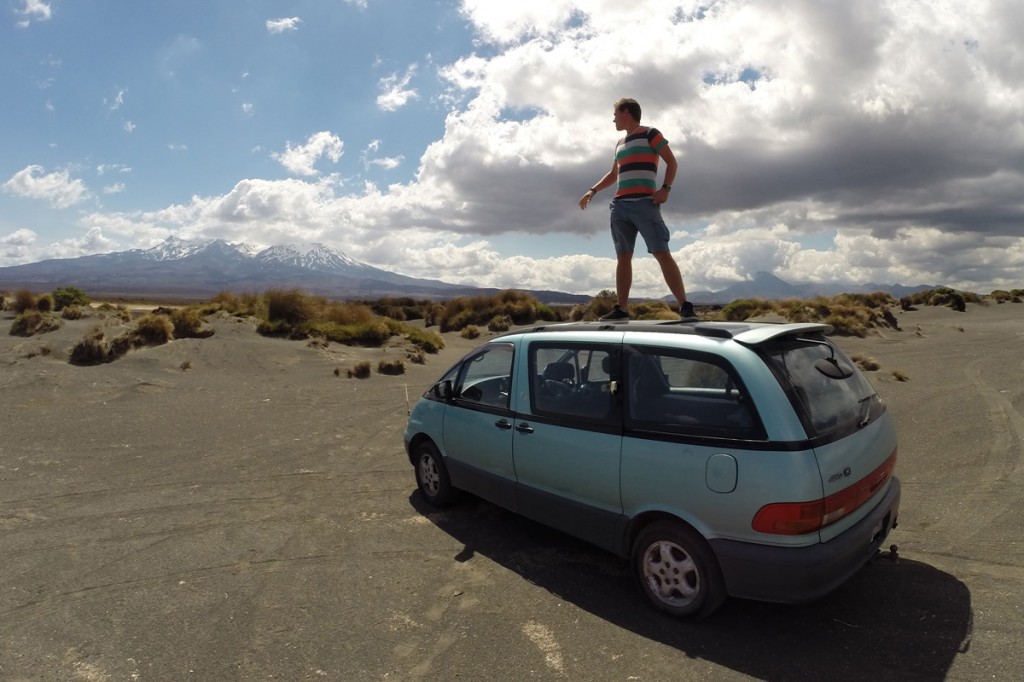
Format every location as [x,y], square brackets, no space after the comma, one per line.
[640,216]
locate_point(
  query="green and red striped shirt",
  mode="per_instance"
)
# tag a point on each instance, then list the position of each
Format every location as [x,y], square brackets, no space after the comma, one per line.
[636,156]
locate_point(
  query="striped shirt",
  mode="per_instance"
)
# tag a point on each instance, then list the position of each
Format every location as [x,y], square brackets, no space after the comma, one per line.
[636,156]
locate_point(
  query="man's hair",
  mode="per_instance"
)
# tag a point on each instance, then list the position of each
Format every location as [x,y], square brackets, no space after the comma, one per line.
[630,105]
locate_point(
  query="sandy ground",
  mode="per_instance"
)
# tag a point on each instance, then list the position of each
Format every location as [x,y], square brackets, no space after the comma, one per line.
[254,517]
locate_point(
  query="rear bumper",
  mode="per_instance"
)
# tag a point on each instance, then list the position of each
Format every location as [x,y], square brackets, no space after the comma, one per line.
[800,574]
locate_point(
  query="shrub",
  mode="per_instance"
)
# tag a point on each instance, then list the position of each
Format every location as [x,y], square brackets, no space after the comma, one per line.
[500,323]
[417,358]
[391,366]
[188,324]
[23,300]
[153,330]
[370,334]
[91,350]
[899,376]
[31,322]
[345,313]
[740,310]
[470,332]
[64,297]
[479,310]
[361,370]
[424,339]
[44,303]
[293,307]
[652,310]
[117,311]
[866,363]
[72,312]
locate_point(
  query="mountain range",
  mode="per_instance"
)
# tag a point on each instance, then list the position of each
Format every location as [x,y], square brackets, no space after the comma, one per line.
[200,269]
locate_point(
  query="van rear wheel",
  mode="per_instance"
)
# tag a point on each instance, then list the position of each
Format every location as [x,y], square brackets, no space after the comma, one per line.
[677,570]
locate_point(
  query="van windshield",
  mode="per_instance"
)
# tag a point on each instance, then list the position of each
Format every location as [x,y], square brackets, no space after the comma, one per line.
[827,404]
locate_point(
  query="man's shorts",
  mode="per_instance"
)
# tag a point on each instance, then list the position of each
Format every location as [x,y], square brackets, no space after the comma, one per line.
[641,216]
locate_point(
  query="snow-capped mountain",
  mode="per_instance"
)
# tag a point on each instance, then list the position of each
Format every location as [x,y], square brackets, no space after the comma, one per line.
[312,256]
[203,268]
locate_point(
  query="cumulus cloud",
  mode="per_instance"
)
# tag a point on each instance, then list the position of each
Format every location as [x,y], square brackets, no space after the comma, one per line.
[33,10]
[300,160]
[282,25]
[821,141]
[57,187]
[395,92]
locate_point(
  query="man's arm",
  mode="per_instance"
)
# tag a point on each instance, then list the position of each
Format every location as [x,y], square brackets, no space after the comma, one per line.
[607,181]
[660,196]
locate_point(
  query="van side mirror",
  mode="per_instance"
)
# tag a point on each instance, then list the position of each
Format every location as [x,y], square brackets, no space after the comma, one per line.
[443,390]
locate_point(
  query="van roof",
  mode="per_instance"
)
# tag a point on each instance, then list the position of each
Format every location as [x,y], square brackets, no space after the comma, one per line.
[747,333]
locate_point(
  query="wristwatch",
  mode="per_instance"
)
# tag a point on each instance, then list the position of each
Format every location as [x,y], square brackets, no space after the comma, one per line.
[667,188]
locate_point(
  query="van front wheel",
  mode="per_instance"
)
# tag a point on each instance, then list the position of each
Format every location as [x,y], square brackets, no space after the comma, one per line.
[677,570]
[432,475]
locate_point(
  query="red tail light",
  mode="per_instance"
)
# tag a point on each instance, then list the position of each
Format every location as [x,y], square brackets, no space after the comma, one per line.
[798,518]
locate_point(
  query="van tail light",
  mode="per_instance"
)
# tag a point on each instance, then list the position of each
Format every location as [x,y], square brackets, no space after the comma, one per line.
[799,518]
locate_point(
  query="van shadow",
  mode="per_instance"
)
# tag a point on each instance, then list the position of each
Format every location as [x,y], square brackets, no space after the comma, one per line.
[902,619]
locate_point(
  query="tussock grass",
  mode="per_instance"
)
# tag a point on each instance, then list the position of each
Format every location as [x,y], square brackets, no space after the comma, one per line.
[463,311]
[866,362]
[470,332]
[31,322]
[361,370]
[23,300]
[392,367]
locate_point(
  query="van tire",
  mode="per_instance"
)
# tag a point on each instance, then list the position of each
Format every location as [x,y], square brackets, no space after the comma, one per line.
[432,475]
[677,570]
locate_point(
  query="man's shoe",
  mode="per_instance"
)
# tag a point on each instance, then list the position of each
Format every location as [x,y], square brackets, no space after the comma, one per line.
[686,313]
[616,313]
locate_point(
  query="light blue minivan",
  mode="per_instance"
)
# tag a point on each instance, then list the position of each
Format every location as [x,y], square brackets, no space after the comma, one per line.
[720,458]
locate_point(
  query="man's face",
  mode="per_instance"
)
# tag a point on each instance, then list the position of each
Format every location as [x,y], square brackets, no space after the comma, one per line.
[621,118]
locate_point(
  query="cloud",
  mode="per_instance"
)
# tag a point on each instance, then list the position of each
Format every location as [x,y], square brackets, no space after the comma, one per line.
[116,188]
[34,10]
[301,159]
[370,158]
[117,102]
[282,25]
[57,187]
[869,141]
[395,92]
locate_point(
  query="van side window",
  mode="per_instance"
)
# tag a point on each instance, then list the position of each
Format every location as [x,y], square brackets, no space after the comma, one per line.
[570,380]
[486,377]
[687,393]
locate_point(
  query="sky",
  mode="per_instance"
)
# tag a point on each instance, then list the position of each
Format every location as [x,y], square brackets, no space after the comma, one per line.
[819,140]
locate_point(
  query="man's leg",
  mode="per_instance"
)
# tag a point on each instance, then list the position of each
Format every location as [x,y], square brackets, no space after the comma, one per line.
[624,278]
[670,271]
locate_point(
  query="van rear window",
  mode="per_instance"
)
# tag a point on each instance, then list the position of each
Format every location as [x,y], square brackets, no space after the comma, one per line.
[826,401]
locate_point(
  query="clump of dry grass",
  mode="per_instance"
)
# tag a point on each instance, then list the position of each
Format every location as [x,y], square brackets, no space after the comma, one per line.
[153,330]
[417,358]
[396,366]
[361,370]
[521,308]
[866,362]
[72,312]
[93,349]
[500,323]
[899,376]
[188,323]
[470,332]
[23,300]
[31,322]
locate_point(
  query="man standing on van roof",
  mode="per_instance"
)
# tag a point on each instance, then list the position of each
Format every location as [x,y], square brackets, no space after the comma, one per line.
[636,207]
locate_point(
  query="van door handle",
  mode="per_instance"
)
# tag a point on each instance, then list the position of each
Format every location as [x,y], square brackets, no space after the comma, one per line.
[523,427]
[503,424]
